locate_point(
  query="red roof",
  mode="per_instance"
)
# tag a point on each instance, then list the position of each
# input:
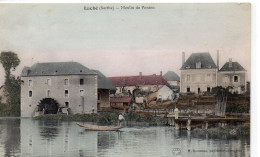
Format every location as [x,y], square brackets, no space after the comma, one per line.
[120,81]
[125,99]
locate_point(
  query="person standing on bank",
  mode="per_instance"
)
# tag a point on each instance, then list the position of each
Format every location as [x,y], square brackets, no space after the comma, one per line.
[120,119]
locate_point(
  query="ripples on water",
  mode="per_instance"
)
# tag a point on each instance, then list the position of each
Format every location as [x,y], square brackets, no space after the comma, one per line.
[27,137]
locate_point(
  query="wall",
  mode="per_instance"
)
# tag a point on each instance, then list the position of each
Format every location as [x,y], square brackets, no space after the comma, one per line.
[146,88]
[165,93]
[173,83]
[104,98]
[57,89]
[198,79]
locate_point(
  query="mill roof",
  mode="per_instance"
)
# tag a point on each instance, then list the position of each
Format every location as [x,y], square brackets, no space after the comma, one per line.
[104,82]
[56,68]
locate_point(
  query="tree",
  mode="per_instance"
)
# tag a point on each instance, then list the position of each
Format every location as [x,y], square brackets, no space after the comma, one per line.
[12,86]
[9,60]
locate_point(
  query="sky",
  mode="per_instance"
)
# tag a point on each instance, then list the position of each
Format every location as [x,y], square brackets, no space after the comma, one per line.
[125,42]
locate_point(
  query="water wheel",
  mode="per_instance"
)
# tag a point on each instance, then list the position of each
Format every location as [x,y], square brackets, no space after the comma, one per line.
[48,106]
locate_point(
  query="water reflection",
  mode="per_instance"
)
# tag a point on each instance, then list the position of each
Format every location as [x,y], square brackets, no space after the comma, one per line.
[27,137]
[49,129]
[9,137]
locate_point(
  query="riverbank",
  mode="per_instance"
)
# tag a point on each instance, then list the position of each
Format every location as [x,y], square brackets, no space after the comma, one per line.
[226,132]
[109,118]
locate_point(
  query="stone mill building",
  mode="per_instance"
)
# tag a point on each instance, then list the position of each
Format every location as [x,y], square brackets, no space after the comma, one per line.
[50,87]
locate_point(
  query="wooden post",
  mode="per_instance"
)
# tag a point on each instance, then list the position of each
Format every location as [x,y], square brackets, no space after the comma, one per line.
[188,124]
[207,124]
[176,125]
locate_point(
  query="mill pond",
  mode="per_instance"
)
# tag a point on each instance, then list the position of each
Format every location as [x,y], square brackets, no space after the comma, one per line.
[30,137]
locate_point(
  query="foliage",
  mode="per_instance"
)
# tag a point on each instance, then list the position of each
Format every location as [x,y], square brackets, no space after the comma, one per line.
[12,86]
[234,108]
[9,60]
[220,91]
[105,118]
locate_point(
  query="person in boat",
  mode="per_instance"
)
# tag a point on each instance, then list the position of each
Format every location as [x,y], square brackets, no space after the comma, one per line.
[120,119]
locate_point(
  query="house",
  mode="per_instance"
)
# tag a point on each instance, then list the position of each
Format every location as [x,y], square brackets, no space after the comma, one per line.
[198,73]
[137,86]
[120,103]
[105,86]
[130,84]
[233,75]
[165,93]
[47,87]
[173,80]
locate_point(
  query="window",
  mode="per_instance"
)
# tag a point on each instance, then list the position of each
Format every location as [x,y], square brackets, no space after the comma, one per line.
[81,91]
[49,82]
[66,93]
[198,90]
[30,82]
[198,65]
[66,104]
[48,93]
[188,78]
[81,81]
[30,93]
[235,78]
[66,81]
[208,78]
[208,89]
[226,79]
[188,89]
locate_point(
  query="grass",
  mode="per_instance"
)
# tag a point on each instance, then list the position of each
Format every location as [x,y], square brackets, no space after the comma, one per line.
[106,118]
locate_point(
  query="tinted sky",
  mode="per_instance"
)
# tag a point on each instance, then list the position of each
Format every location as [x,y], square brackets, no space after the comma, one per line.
[125,42]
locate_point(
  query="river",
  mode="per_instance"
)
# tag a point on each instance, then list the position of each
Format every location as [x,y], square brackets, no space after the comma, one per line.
[32,138]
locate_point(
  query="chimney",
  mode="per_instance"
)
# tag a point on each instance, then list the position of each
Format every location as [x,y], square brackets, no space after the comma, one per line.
[183,58]
[161,73]
[230,63]
[218,59]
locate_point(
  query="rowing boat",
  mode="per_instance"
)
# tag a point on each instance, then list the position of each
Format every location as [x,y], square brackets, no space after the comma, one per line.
[99,128]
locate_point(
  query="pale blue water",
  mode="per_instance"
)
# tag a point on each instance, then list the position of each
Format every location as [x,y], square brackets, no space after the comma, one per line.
[30,138]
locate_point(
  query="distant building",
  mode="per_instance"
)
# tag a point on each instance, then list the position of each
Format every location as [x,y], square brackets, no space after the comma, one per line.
[198,73]
[120,103]
[46,87]
[129,84]
[165,93]
[173,80]
[232,74]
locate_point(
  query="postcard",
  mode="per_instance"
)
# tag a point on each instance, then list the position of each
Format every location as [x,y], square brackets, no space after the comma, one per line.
[125,79]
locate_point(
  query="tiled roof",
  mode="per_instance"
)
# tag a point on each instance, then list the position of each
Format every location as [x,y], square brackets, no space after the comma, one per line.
[235,67]
[204,58]
[56,68]
[125,99]
[139,80]
[171,76]
[104,82]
